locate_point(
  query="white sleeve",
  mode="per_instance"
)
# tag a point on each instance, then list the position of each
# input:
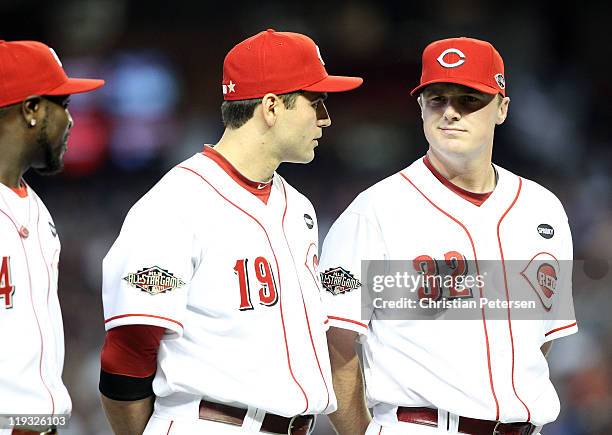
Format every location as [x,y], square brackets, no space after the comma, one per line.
[148,270]
[351,239]
[561,320]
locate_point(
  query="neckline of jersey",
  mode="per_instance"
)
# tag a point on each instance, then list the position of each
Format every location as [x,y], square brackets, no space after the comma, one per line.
[21,191]
[260,190]
[475,198]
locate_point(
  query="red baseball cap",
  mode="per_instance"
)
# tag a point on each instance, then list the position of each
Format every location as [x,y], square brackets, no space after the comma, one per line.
[465,61]
[32,68]
[278,62]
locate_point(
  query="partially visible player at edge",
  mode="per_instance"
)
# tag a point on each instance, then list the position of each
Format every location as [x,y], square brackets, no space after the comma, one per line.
[218,261]
[34,128]
[450,208]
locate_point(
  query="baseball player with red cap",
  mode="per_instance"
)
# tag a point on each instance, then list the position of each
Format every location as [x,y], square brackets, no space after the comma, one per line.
[448,209]
[212,302]
[34,128]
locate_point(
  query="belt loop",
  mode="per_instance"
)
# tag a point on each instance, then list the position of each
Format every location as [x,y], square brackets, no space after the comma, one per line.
[250,419]
[256,417]
[453,423]
[442,419]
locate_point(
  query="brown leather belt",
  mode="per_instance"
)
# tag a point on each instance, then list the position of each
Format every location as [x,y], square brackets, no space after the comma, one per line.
[298,425]
[470,426]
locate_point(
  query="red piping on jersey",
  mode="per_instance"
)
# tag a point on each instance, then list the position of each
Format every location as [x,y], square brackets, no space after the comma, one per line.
[380,431]
[170,427]
[501,251]
[561,328]
[302,293]
[277,268]
[348,320]
[144,315]
[484,321]
[34,310]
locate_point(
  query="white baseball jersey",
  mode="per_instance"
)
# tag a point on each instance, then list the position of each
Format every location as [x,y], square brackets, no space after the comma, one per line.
[31,331]
[234,282]
[483,368]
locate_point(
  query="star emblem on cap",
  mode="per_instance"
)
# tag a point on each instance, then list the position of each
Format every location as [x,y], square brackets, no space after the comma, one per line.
[231,86]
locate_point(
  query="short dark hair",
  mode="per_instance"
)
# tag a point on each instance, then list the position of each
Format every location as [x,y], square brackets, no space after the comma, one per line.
[236,113]
[4,110]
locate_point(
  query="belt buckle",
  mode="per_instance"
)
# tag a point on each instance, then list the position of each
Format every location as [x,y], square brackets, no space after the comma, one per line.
[495,430]
[290,428]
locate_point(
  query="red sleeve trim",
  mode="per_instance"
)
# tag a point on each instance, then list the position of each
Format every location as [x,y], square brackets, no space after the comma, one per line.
[131,350]
[559,329]
[143,315]
[349,321]
[326,321]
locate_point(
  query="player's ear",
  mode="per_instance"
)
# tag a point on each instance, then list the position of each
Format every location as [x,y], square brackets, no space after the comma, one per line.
[271,105]
[502,110]
[29,109]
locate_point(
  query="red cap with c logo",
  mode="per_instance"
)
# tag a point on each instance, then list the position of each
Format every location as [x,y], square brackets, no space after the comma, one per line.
[464,61]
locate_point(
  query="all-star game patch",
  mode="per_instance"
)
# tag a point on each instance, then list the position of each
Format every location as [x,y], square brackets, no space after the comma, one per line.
[338,280]
[154,280]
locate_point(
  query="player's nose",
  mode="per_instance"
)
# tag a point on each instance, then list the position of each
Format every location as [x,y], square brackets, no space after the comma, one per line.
[323,119]
[450,112]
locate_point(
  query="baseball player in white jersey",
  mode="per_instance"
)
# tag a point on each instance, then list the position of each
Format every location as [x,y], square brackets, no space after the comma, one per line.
[487,375]
[34,128]
[212,301]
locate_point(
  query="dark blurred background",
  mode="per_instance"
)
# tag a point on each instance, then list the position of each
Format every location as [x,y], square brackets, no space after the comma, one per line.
[162,63]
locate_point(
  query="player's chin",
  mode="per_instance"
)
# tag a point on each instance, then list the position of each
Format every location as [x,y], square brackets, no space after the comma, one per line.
[303,160]
[455,146]
[53,164]
[51,169]
[304,157]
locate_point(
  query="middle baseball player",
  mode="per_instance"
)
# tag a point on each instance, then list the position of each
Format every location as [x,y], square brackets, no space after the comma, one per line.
[218,261]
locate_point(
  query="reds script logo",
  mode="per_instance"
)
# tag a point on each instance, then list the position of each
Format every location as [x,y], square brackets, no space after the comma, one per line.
[541,274]
[547,279]
[338,280]
[154,280]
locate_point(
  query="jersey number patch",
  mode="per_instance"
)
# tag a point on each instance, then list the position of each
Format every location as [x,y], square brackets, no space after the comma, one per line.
[6,288]
[267,292]
[454,262]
